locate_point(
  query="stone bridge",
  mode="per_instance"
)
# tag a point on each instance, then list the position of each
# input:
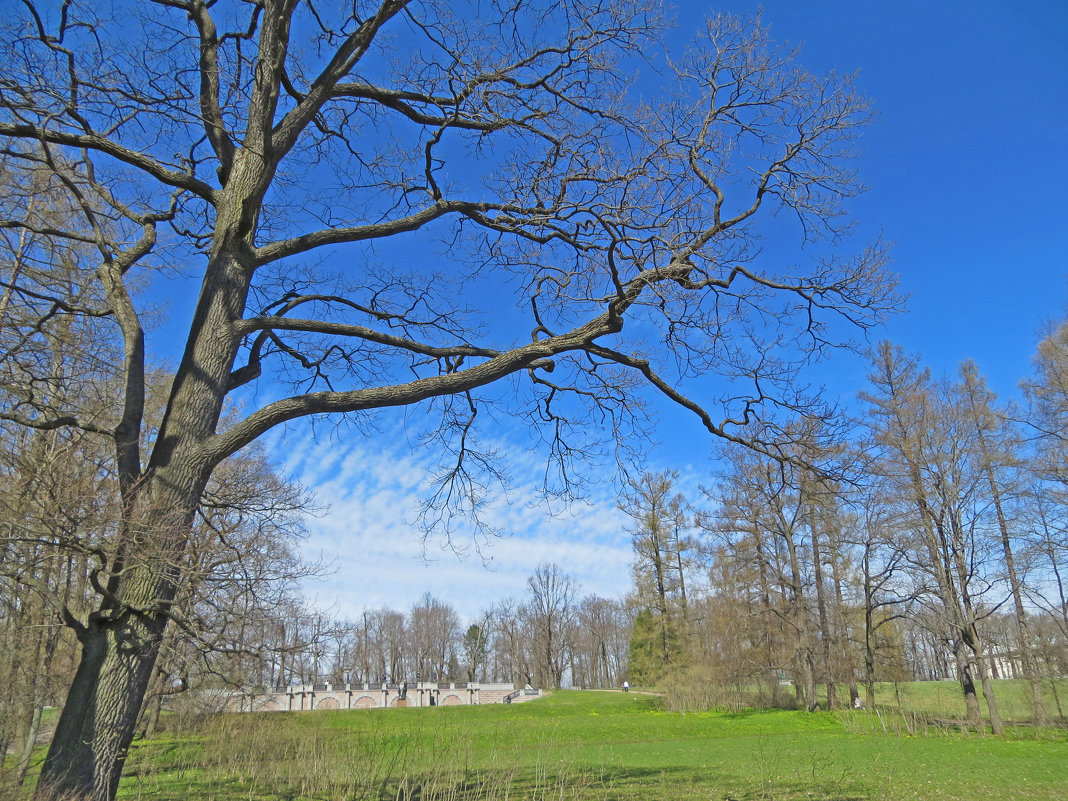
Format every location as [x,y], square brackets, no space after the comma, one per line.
[375,696]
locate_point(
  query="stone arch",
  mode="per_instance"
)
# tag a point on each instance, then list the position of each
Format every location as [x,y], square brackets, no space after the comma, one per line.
[328,703]
[365,702]
[269,705]
[451,700]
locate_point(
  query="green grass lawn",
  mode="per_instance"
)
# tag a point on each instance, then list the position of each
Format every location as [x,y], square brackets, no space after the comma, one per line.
[591,745]
[943,699]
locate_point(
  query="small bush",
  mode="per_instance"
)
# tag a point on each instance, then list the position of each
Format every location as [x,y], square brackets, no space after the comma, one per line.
[701,689]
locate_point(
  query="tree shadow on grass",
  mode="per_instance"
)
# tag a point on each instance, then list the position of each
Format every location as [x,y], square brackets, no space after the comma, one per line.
[616,783]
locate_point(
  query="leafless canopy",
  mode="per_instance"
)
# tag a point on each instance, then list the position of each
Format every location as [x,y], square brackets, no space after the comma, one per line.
[404,203]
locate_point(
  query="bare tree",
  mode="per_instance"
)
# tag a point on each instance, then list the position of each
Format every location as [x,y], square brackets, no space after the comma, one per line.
[602,637]
[511,643]
[743,632]
[885,593]
[476,650]
[997,445]
[929,450]
[551,610]
[434,636]
[245,141]
[661,556]
[824,519]
[1047,392]
[781,505]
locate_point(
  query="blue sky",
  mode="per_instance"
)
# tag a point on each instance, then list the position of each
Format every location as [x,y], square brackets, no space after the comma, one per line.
[967,163]
[967,166]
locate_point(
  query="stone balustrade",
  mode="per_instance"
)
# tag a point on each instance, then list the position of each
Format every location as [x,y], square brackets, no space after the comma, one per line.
[302,697]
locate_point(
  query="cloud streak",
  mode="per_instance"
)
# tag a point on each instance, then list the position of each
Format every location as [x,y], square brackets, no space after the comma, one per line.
[371,534]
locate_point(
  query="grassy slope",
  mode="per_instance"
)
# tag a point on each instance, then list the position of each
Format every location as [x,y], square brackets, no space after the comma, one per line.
[588,745]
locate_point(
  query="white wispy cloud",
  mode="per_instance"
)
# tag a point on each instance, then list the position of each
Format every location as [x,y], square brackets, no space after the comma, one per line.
[373,487]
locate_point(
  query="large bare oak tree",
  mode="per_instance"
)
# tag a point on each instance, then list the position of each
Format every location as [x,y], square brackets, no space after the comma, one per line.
[594,236]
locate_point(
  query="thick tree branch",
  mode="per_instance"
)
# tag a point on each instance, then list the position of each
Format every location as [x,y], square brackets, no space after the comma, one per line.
[362,332]
[536,354]
[209,88]
[294,123]
[102,144]
[361,233]
[54,423]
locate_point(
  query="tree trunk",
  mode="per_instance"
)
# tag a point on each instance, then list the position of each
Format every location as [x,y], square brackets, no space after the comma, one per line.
[844,660]
[973,713]
[869,636]
[966,617]
[807,677]
[971,639]
[605,678]
[824,620]
[984,417]
[991,701]
[767,615]
[148,719]
[28,745]
[661,594]
[869,673]
[799,610]
[97,724]
[1022,629]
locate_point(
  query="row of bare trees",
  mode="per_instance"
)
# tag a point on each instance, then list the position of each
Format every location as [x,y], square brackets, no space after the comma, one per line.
[547,638]
[552,636]
[927,538]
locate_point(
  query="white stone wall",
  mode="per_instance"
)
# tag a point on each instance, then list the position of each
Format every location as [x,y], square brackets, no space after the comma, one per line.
[377,696]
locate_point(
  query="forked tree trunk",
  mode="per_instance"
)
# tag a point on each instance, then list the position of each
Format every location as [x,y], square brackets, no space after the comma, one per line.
[121,641]
[976,647]
[991,701]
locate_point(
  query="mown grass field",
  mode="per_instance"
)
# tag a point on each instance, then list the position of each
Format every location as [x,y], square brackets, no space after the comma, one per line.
[603,745]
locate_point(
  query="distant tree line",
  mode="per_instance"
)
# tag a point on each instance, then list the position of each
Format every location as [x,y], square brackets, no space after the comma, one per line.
[548,637]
